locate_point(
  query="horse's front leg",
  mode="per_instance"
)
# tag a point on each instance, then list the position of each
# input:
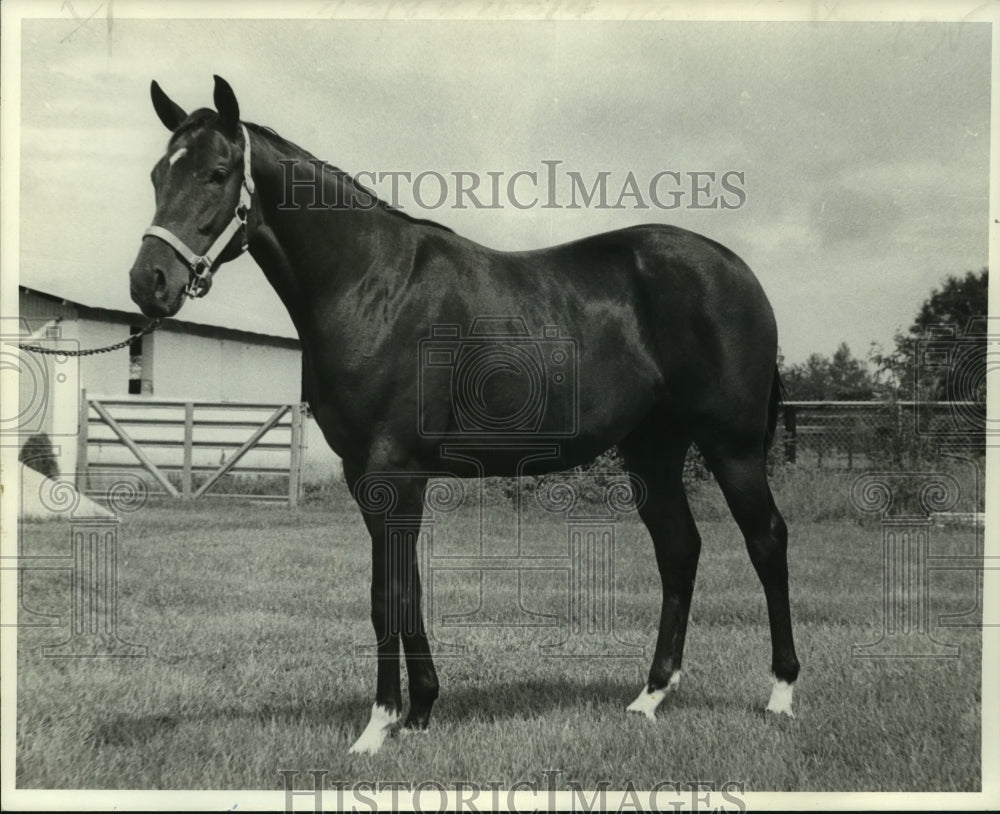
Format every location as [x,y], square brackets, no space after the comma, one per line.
[392,505]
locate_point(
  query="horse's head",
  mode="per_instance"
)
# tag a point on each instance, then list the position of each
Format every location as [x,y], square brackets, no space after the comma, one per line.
[204,193]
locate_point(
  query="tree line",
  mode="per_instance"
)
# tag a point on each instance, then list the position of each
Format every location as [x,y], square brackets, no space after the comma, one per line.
[940,357]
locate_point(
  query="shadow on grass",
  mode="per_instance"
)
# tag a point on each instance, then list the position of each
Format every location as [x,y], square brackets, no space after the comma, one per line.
[130,731]
[521,700]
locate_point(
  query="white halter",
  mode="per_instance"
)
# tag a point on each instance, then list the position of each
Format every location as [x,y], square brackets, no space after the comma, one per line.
[201,265]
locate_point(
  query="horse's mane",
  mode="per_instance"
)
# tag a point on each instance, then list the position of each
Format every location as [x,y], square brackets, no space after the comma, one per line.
[269,135]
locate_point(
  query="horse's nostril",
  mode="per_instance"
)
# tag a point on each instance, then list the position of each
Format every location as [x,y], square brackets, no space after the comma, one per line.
[159,283]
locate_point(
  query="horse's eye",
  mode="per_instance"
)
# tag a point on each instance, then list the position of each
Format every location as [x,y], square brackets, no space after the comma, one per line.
[219,175]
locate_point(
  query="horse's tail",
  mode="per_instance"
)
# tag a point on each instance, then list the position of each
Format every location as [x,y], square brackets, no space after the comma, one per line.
[777,398]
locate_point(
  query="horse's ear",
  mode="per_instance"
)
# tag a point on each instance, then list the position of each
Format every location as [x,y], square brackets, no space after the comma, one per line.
[226,104]
[170,113]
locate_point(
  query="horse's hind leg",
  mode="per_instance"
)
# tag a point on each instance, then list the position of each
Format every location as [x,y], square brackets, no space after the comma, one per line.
[420,670]
[659,461]
[742,475]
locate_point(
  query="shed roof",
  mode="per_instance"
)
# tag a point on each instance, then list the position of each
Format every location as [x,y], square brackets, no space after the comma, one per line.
[240,299]
[67,308]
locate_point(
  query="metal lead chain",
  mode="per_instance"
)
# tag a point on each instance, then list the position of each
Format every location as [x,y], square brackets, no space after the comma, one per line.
[152,326]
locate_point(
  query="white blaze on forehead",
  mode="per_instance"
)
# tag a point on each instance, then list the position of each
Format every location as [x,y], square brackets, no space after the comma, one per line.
[181,152]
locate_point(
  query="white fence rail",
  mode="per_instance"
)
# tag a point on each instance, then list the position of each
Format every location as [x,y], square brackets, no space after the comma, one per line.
[190,448]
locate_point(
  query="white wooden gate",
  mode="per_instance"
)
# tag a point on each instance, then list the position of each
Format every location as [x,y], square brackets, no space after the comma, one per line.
[187,447]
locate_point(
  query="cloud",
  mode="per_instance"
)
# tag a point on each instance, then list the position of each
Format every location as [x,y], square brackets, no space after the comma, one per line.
[843,215]
[865,146]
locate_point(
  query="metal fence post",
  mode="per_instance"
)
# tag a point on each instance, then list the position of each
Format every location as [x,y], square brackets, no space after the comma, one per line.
[295,458]
[186,476]
[790,433]
[81,442]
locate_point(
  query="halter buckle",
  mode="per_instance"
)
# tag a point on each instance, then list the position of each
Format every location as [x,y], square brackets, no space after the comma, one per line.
[201,280]
[242,211]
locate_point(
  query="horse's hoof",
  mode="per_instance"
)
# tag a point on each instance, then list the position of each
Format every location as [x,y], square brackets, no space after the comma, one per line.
[379,726]
[647,702]
[367,744]
[781,699]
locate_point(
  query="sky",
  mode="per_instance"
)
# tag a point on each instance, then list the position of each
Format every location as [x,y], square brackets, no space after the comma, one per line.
[861,149]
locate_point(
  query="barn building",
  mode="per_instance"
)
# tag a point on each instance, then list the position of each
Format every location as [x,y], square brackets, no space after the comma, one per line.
[179,361]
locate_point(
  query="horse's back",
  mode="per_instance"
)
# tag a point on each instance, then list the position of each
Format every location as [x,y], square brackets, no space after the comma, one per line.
[702,311]
[660,317]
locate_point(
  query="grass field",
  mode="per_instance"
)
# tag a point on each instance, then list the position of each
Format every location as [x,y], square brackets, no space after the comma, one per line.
[252,615]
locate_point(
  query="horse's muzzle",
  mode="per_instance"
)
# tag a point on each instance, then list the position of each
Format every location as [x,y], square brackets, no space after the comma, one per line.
[157,289]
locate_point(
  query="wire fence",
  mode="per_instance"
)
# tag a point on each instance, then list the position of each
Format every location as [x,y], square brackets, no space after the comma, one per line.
[861,435]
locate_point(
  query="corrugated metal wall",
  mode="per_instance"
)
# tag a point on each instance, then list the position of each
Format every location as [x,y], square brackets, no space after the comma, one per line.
[39,309]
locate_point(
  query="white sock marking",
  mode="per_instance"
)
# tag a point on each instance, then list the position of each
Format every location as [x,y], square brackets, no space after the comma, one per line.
[647,702]
[181,152]
[781,698]
[371,740]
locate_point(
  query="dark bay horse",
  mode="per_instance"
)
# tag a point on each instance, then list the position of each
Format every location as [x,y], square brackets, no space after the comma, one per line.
[650,338]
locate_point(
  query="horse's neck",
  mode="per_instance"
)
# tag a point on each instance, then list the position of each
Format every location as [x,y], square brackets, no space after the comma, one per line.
[313,255]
